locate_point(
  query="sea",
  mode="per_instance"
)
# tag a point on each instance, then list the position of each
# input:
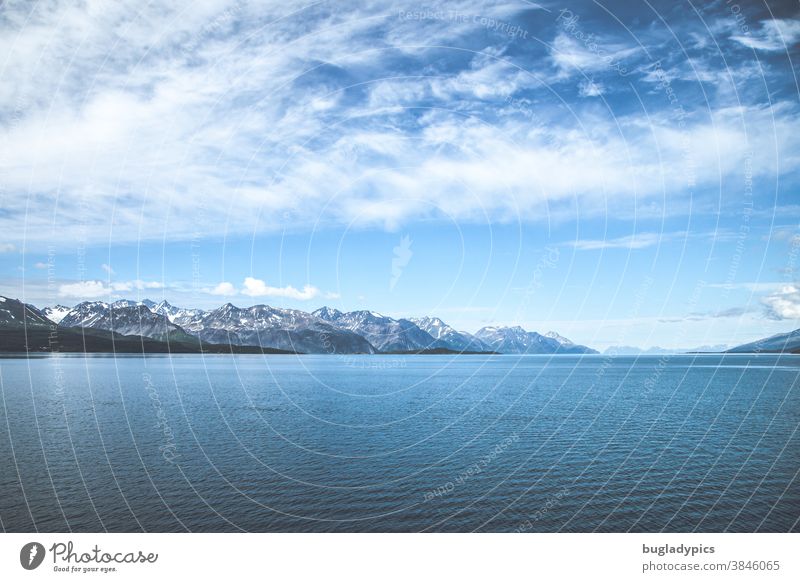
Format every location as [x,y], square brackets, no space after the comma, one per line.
[399,443]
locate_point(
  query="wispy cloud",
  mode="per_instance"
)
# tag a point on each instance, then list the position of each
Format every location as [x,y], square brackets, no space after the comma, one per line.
[753,286]
[634,241]
[774,35]
[336,117]
[574,52]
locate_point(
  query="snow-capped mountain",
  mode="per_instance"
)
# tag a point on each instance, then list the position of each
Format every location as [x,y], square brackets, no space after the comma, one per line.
[559,338]
[325,331]
[385,333]
[125,303]
[15,314]
[178,315]
[288,329]
[123,317]
[56,313]
[449,337]
[327,313]
[516,340]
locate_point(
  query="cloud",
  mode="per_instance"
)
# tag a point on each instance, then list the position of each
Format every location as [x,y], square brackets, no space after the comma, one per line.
[7,248]
[84,290]
[94,289]
[774,35]
[107,269]
[753,286]
[575,53]
[590,89]
[40,265]
[731,312]
[784,303]
[789,234]
[635,241]
[258,288]
[223,288]
[642,240]
[338,118]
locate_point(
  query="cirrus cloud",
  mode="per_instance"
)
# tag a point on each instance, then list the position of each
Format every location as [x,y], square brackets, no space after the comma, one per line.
[774,35]
[272,133]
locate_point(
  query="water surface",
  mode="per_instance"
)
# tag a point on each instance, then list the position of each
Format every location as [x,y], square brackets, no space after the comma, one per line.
[400,443]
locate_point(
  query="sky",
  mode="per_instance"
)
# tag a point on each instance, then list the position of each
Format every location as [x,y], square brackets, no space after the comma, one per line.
[621,173]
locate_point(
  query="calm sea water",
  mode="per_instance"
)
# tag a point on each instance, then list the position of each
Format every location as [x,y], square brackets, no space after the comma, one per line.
[400,443]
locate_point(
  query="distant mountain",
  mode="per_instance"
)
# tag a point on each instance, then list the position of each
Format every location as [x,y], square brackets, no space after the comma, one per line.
[782,342]
[634,351]
[16,314]
[516,340]
[125,318]
[448,338]
[288,329]
[559,338]
[715,349]
[385,333]
[262,327]
[658,351]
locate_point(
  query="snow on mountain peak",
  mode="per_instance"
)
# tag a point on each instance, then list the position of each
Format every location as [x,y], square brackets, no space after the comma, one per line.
[56,313]
[559,338]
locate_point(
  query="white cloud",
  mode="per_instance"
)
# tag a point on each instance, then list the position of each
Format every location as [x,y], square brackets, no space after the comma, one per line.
[591,89]
[40,265]
[774,35]
[84,290]
[573,55]
[223,288]
[261,134]
[107,269]
[754,286]
[639,240]
[258,288]
[784,303]
[95,289]
[7,248]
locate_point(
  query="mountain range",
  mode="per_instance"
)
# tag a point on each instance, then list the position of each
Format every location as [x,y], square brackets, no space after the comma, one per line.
[24,328]
[325,331]
[782,342]
[127,325]
[658,351]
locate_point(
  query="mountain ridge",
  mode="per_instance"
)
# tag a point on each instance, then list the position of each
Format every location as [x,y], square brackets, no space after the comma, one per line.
[326,330]
[782,343]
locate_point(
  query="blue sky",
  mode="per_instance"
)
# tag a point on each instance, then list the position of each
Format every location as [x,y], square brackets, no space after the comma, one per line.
[623,173]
